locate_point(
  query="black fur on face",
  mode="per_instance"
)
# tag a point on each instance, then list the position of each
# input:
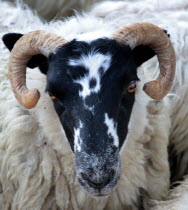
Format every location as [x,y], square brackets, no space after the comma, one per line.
[113,97]
[95,122]
[90,83]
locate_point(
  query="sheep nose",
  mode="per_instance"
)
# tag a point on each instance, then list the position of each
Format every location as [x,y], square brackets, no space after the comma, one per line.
[97,183]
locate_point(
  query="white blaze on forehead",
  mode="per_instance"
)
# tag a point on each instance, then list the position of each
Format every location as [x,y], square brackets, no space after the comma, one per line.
[77,139]
[112,130]
[93,62]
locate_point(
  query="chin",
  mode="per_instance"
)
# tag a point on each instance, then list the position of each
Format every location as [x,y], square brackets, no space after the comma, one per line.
[100,195]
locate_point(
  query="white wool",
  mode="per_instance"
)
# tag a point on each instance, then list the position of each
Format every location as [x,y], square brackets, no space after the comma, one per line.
[177,198]
[36,163]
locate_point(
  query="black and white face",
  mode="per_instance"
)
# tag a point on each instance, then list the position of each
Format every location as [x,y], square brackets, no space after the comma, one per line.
[89,82]
[92,86]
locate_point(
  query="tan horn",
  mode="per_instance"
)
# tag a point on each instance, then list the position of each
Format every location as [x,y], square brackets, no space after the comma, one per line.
[33,43]
[154,37]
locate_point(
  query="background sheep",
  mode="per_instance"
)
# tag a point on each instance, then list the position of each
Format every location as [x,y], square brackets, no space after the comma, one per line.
[35,158]
[57,8]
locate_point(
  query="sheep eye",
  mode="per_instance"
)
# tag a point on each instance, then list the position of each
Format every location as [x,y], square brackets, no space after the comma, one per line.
[132,86]
[53,97]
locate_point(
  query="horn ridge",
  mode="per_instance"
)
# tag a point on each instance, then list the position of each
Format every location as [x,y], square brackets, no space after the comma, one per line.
[154,37]
[33,43]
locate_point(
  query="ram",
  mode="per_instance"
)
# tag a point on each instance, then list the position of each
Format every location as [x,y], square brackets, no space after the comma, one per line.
[126,123]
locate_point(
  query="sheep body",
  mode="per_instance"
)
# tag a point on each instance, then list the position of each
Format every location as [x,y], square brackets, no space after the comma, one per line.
[58,8]
[36,163]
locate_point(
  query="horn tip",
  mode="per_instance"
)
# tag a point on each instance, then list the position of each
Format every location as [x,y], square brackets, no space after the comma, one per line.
[154,90]
[30,98]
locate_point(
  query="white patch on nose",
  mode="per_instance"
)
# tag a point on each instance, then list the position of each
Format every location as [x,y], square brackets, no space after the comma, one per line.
[77,139]
[96,63]
[112,130]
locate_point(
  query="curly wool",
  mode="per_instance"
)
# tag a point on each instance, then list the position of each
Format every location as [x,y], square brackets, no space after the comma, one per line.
[36,163]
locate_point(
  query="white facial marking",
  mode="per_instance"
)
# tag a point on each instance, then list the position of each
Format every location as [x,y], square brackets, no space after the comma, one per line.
[90,108]
[77,139]
[93,62]
[112,130]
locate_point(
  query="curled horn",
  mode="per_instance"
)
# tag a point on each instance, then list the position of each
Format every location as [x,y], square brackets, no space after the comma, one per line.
[33,43]
[155,38]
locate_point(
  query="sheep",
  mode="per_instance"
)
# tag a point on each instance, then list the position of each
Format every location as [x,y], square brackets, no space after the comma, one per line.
[36,163]
[57,8]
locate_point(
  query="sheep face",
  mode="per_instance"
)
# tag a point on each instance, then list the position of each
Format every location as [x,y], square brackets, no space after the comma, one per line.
[88,83]
[92,85]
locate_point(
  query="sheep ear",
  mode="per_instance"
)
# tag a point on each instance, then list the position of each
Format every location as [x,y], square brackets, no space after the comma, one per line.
[10,39]
[36,61]
[143,53]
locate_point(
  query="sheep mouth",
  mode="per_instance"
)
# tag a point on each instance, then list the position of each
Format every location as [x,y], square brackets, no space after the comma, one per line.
[104,191]
[101,195]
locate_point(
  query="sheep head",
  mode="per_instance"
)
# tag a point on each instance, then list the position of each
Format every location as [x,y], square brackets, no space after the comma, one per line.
[92,85]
